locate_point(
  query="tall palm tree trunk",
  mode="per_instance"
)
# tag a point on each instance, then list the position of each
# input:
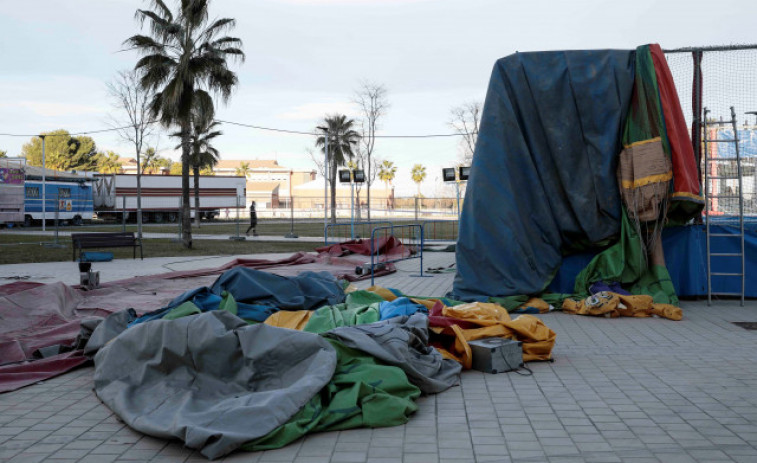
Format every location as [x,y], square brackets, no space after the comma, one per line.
[186,220]
[196,171]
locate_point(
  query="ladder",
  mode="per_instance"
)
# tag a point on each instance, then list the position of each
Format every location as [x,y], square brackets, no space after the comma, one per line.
[712,196]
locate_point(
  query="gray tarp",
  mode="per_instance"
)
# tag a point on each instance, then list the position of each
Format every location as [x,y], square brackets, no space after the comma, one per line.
[403,342]
[211,380]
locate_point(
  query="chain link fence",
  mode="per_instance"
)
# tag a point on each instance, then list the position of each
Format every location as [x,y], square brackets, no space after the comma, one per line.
[717,78]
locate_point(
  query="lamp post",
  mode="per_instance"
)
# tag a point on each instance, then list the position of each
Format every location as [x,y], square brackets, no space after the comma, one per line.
[326,182]
[352,177]
[462,174]
[44,198]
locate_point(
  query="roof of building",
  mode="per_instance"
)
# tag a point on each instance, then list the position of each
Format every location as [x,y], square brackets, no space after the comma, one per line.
[253,163]
[35,172]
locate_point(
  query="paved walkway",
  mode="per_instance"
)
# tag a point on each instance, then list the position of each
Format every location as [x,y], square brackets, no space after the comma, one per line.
[619,390]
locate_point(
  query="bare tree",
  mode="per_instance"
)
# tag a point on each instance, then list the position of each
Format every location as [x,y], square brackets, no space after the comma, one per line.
[133,122]
[372,100]
[465,119]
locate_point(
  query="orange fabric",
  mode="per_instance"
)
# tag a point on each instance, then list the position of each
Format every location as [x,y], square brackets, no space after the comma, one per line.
[294,320]
[494,321]
[537,303]
[482,313]
[612,305]
[383,292]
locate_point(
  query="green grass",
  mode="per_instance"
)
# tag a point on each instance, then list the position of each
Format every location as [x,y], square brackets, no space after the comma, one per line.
[270,227]
[18,249]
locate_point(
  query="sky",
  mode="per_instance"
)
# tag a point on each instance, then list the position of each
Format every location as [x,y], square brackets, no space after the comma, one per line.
[306,58]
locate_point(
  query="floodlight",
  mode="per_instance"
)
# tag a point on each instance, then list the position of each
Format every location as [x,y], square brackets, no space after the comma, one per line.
[358,176]
[464,172]
[448,174]
[344,176]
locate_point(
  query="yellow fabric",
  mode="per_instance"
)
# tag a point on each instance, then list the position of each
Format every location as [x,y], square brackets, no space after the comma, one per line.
[639,182]
[294,320]
[643,142]
[494,321]
[383,292]
[483,313]
[612,305]
[537,303]
[686,194]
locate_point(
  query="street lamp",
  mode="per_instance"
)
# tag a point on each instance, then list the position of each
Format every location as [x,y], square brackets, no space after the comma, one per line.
[462,174]
[352,177]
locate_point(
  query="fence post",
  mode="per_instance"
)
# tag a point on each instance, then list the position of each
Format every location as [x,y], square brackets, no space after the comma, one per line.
[57,217]
[237,237]
[291,219]
[416,208]
[123,213]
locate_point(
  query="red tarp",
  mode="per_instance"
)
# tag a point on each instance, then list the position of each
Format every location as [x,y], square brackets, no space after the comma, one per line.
[685,174]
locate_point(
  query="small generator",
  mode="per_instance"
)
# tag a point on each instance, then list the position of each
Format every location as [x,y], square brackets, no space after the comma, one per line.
[496,355]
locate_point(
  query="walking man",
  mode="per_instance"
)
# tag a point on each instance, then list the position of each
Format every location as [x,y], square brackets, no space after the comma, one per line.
[253,221]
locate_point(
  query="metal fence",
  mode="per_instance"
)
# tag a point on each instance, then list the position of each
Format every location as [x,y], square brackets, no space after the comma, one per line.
[717,78]
[411,237]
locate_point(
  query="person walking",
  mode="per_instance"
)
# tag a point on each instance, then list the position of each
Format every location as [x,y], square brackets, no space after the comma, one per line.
[253,221]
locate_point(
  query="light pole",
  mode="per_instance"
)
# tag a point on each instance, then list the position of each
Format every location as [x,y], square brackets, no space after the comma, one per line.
[326,182]
[352,177]
[44,197]
[449,175]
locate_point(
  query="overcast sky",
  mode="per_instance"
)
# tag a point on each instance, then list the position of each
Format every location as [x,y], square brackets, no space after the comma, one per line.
[305,58]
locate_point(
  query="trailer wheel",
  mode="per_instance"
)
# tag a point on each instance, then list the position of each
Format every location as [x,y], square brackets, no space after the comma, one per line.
[158,217]
[28,221]
[172,217]
[77,221]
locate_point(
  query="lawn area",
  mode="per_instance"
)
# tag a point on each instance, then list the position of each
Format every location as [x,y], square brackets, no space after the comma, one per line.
[444,230]
[17,249]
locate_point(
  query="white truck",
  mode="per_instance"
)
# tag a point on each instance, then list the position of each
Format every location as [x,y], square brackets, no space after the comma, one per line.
[12,178]
[115,196]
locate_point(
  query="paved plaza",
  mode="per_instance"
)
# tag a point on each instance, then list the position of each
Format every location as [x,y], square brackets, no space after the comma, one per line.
[619,390]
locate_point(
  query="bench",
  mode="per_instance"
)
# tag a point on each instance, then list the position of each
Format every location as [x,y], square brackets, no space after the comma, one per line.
[82,241]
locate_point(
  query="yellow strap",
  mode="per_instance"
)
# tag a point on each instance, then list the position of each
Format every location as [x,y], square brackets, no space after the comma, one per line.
[657,178]
[643,142]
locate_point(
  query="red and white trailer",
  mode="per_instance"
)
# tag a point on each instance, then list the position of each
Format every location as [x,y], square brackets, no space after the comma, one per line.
[116,195]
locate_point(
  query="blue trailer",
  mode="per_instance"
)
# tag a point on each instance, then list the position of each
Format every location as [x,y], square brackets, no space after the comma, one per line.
[66,196]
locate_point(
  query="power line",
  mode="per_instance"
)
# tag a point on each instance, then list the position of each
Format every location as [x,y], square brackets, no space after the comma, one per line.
[240,124]
[299,132]
[88,132]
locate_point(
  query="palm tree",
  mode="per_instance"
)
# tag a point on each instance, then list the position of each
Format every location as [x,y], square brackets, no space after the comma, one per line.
[244,169]
[203,155]
[387,172]
[109,163]
[184,58]
[150,161]
[342,141]
[419,175]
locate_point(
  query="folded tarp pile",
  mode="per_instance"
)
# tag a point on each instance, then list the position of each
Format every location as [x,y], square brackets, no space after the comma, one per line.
[576,150]
[213,376]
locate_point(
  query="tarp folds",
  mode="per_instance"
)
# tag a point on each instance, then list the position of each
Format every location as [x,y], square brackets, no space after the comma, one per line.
[211,380]
[543,176]
[403,342]
[258,294]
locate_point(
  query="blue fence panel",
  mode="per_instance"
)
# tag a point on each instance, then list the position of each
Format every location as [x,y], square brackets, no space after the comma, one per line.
[411,236]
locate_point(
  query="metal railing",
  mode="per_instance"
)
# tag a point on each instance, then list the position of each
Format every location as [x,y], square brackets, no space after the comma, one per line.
[338,232]
[410,236]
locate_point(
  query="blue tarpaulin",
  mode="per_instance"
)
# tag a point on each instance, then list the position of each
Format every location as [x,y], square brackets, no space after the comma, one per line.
[259,294]
[543,174]
[686,259]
